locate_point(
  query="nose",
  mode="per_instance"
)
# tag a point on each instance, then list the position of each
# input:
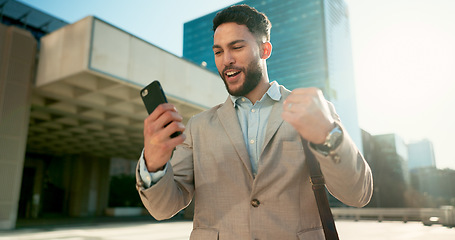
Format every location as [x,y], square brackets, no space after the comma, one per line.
[228,59]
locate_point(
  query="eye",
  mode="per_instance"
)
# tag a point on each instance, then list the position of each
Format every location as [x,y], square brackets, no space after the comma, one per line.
[217,52]
[237,47]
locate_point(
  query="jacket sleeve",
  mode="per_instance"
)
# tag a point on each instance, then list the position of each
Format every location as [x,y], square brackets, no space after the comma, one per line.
[174,191]
[347,175]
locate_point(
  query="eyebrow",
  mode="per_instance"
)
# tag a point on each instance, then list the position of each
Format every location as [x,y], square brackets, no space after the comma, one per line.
[230,44]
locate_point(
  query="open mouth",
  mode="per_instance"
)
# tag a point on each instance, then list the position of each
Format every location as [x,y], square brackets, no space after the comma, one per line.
[232,73]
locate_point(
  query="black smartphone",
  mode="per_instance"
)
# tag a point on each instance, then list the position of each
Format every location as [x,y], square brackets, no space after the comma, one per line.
[153,95]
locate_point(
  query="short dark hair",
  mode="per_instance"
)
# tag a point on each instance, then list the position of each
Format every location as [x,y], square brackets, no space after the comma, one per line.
[257,22]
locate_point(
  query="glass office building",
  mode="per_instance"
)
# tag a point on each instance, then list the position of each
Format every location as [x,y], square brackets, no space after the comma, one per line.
[421,154]
[311,48]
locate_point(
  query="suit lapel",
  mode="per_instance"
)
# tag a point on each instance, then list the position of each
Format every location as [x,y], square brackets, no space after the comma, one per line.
[275,119]
[229,120]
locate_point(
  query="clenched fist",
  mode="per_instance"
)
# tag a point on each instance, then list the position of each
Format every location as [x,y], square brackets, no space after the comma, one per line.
[308,112]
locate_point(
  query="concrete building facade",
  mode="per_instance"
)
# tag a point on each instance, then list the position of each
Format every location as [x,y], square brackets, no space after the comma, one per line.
[69,102]
[17,51]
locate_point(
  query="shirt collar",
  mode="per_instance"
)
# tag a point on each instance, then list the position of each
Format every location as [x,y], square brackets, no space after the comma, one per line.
[273,92]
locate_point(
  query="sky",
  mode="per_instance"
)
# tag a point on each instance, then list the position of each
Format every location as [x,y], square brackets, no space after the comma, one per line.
[403,56]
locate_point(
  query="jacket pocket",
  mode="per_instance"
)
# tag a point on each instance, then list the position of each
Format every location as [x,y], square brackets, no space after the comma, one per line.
[204,234]
[311,234]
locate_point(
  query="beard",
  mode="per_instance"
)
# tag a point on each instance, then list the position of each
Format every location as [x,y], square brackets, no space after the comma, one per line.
[253,75]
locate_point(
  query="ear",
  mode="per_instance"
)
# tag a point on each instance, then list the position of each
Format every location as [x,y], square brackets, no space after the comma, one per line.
[266,50]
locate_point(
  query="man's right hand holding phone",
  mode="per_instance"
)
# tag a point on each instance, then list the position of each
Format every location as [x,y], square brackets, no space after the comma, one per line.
[158,128]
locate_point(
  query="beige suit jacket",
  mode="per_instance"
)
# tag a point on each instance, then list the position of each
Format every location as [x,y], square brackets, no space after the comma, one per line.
[230,203]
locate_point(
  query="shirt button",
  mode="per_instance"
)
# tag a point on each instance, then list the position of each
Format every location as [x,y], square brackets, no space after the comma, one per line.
[255,203]
[252,141]
[253,110]
[336,158]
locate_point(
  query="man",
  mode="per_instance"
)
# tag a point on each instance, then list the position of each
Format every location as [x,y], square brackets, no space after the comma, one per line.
[243,160]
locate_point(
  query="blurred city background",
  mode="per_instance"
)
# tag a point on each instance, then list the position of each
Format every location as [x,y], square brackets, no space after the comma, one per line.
[71,115]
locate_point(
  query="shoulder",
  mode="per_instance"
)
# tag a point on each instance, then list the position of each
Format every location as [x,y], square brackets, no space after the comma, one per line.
[284,91]
[205,116]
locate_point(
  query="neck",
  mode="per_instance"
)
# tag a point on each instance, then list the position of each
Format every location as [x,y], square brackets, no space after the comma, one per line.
[262,86]
[259,91]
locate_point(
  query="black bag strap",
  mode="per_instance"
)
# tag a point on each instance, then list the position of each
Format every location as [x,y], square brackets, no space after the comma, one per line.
[318,184]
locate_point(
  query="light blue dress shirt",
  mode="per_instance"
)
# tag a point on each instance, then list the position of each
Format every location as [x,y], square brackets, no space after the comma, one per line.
[253,120]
